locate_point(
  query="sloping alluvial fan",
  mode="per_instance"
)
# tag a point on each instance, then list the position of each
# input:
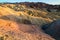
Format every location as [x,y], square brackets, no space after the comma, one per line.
[29,21]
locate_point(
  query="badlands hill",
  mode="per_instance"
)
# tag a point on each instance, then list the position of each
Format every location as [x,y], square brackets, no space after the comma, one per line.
[24,21]
[10,30]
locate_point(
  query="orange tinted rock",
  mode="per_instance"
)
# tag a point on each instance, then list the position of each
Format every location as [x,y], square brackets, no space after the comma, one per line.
[13,31]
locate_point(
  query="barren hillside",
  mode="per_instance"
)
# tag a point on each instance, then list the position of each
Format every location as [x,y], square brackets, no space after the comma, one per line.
[10,30]
[24,21]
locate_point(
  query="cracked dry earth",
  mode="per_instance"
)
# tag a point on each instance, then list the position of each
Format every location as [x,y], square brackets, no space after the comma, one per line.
[10,30]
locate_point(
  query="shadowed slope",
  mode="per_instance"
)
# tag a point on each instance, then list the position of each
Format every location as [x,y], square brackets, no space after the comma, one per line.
[53,29]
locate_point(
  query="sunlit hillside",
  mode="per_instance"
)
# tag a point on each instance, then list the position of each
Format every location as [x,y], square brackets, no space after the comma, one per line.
[10,30]
[20,19]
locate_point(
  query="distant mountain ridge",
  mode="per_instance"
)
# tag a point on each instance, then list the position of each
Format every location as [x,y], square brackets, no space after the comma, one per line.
[38,5]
